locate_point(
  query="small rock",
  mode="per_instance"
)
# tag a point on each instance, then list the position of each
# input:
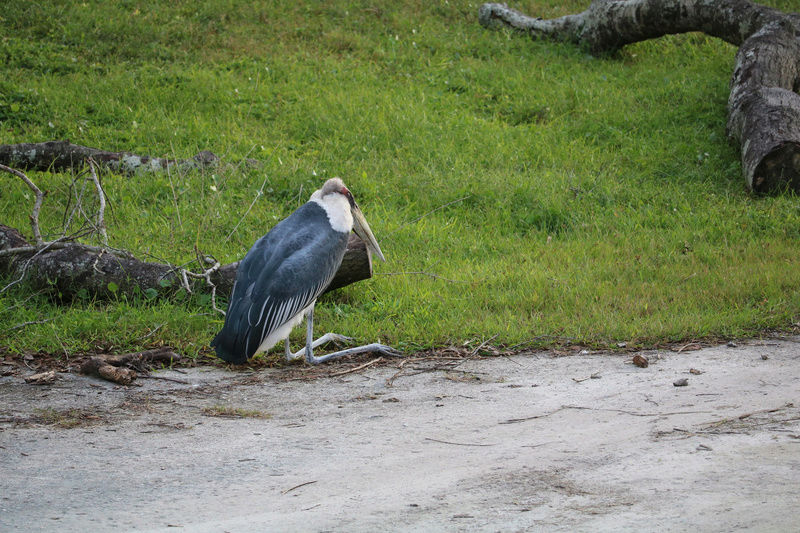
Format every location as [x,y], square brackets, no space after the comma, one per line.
[622,344]
[764,356]
[681,382]
[640,361]
[695,371]
[732,344]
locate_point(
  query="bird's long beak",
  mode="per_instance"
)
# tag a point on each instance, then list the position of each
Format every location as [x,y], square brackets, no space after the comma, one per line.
[361,228]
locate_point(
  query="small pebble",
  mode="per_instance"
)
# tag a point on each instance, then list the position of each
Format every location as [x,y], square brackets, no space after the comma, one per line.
[681,382]
[764,356]
[640,361]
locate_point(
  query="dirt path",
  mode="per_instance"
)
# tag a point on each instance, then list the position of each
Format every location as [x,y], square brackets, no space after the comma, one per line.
[528,442]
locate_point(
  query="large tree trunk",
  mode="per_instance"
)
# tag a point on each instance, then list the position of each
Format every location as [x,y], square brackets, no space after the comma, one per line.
[67,268]
[763,108]
[56,156]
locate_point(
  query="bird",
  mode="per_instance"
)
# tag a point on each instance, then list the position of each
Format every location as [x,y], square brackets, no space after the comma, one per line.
[282,275]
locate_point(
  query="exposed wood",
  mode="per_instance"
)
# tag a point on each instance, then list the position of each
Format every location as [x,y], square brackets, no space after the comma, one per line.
[157,356]
[763,108]
[42,378]
[58,156]
[99,367]
[122,368]
[69,268]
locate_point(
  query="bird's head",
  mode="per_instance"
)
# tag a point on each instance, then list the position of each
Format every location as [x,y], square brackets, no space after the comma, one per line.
[360,225]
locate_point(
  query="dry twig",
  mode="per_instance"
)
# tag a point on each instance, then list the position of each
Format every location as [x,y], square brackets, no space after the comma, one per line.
[101,195]
[458,443]
[297,487]
[356,369]
[37,203]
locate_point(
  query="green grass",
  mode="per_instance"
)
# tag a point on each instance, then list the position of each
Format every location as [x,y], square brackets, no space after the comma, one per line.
[593,200]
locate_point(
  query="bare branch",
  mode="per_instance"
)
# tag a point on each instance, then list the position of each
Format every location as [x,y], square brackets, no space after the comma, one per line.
[206,275]
[101,195]
[37,204]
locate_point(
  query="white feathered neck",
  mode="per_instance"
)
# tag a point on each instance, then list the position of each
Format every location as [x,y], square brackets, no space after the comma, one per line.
[336,206]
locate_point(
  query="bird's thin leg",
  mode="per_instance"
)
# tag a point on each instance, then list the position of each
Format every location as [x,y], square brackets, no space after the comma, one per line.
[287,350]
[310,345]
[310,336]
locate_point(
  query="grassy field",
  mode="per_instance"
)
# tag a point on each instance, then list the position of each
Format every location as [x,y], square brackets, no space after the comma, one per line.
[521,191]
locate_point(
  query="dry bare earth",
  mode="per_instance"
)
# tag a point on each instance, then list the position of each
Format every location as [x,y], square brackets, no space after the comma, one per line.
[513,443]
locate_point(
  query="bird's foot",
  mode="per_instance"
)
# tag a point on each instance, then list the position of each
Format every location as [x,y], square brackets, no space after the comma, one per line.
[333,337]
[385,350]
[381,349]
[328,337]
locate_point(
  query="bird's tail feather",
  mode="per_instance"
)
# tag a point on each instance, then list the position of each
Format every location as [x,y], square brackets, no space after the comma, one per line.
[226,349]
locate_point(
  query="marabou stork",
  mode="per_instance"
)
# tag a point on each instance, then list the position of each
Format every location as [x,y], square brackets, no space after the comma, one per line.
[281,277]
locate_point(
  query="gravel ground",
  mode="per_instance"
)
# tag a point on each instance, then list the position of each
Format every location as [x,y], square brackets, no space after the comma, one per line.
[585,442]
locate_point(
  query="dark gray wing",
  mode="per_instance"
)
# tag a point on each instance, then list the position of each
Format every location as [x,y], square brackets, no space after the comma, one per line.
[284,271]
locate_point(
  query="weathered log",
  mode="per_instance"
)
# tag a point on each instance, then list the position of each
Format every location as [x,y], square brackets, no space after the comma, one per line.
[63,155]
[763,108]
[122,368]
[99,367]
[70,268]
[142,360]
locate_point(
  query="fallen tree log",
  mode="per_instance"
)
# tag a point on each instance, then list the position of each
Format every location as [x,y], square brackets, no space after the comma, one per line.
[99,367]
[125,368]
[66,268]
[58,156]
[144,361]
[763,107]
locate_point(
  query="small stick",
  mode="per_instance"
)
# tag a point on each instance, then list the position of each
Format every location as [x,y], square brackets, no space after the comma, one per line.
[484,343]
[297,487]
[684,347]
[165,378]
[356,369]
[26,324]
[101,195]
[458,443]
